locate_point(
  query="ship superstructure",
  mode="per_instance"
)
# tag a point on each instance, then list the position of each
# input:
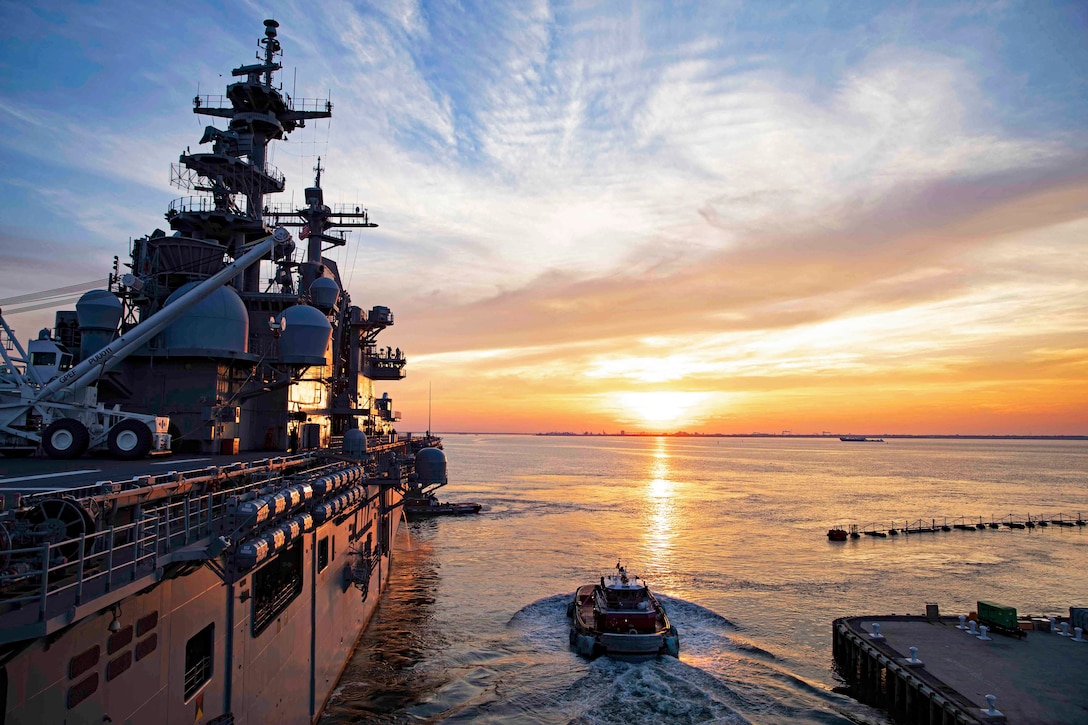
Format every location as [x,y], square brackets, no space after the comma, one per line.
[231,593]
[280,358]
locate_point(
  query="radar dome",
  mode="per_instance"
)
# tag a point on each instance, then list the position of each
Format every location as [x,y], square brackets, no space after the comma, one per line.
[218,323]
[431,466]
[323,293]
[306,336]
[98,310]
[354,443]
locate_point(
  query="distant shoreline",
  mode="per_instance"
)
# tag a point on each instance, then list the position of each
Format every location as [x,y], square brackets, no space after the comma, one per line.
[941,436]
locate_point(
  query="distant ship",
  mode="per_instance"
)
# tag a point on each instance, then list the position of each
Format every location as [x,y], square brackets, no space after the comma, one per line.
[860,439]
[232,590]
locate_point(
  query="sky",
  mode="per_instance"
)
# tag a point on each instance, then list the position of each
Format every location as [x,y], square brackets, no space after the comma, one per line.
[715,217]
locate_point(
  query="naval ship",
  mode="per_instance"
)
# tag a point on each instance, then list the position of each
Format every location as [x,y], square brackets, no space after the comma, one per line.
[230,592]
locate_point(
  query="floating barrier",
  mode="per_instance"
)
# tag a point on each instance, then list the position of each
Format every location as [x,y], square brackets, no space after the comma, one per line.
[962,523]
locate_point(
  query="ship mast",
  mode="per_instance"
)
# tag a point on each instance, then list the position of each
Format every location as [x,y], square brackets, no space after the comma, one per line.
[315,221]
[235,176]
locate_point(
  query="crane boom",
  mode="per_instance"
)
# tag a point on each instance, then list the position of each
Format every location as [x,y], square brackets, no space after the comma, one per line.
[112,354]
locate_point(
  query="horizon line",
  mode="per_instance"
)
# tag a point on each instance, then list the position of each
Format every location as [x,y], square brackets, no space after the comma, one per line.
[684,434]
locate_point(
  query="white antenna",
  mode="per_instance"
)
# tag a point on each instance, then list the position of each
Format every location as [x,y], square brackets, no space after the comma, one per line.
[429,408]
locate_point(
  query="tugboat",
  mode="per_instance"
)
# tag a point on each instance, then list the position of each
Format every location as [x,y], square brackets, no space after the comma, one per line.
[430,506]
[619,617]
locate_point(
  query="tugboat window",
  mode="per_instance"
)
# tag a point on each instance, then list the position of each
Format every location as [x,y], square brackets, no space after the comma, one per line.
[323,553]
[275,586]
[198,660]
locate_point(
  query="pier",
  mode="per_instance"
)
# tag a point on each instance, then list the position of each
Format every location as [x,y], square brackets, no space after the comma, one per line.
[933,670]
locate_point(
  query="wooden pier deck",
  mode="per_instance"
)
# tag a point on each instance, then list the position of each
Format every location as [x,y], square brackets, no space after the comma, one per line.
[1037,680]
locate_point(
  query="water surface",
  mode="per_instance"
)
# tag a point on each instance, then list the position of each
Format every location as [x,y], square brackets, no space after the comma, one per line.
[732,533]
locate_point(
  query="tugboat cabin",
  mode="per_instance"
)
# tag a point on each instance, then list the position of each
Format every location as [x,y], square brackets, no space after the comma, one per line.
[624,605]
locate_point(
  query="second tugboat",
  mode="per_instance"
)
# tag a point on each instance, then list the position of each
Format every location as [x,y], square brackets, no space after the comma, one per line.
[420,500]
[620,617]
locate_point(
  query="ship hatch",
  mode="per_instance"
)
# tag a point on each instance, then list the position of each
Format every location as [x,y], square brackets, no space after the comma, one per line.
[198,660]
[275,586]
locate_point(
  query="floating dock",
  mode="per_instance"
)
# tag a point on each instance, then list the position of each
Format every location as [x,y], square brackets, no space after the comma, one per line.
[927,670]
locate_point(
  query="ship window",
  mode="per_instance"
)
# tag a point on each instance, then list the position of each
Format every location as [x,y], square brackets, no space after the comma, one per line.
[118,665]
[43,358]
[198,660]
[146,624]
[323,553]
[119,640]
[79,693]
[275,586]
[146,646]
[83,662]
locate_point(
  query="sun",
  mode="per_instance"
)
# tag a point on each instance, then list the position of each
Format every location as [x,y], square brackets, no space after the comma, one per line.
[662,409]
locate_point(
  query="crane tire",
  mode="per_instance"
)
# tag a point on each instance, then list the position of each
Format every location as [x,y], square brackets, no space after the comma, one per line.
[65,438]
[129,440]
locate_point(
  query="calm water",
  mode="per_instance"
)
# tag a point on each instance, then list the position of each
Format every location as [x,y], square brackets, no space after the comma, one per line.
[732,533]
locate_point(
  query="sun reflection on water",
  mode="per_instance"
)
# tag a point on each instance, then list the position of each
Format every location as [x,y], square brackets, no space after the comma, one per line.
[660,498]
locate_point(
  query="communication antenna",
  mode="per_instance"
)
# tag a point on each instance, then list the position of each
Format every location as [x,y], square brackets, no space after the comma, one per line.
[429,408]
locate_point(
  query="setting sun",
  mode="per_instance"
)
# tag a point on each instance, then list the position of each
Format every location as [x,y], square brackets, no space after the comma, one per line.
[662,408]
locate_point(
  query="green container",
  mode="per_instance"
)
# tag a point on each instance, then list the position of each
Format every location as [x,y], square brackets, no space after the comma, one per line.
[990,613]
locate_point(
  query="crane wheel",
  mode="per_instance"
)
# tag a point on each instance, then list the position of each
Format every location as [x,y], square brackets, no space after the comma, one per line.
[129,440]
[65,438]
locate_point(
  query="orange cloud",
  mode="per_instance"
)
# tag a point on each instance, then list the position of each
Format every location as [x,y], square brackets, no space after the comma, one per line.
[926,314]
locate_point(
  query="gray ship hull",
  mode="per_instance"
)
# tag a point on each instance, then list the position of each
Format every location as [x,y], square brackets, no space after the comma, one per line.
[286,674]
[178,643]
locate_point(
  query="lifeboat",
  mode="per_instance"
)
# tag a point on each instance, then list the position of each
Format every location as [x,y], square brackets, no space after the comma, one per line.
[620,617]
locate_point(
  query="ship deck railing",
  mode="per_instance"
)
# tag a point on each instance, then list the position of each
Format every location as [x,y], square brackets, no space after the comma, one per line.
[219,100]
[103,561]
[208,204]
[46,587]
[343,209]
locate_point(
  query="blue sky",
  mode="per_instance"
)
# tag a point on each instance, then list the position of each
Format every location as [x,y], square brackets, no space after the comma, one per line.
[754,209]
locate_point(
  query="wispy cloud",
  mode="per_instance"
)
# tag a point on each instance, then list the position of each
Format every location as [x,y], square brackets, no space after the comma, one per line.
[743,202]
